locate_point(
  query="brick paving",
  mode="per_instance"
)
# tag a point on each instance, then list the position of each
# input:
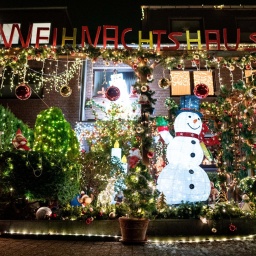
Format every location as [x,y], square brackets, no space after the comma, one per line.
[47,246]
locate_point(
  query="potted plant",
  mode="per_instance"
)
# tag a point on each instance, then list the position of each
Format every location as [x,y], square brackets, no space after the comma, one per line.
[140,201]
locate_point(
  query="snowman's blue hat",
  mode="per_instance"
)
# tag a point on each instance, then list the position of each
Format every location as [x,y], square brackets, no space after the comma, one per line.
[189,103]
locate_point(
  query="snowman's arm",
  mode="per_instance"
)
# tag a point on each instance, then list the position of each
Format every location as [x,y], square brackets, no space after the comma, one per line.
[166,136]
[207,153]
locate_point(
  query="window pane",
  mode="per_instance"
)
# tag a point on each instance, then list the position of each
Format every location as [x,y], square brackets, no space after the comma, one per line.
[123,79]
[204,77]
[180,83]
[249,73]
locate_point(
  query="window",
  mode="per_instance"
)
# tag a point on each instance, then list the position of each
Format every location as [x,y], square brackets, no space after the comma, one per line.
[98,84]
[248,74]
[121,78]
[182,25]
[184,82]
[247,26]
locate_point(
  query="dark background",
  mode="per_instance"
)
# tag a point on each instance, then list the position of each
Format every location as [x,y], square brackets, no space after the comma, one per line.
[108,12]
[121,13]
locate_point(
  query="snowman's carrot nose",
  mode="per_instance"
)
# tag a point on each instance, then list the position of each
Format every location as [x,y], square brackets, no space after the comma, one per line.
[194,121]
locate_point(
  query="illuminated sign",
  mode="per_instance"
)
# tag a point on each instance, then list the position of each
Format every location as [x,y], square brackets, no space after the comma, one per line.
[40,34]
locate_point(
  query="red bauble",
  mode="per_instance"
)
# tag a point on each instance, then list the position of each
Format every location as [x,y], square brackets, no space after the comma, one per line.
[150,154]
[23,91]
[232,227]
[201,91]
[112,93]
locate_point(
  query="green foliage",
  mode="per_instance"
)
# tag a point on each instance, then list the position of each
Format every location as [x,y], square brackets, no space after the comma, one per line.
[53,134]
[139,194]
[232,118]
[9,125]
[39,175]
[222,210]
[185,210]
[171,105]
[248,186]
[88,213]
[97,168]
[116,126]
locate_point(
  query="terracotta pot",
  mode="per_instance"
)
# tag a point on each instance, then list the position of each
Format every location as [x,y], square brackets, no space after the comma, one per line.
[133,230]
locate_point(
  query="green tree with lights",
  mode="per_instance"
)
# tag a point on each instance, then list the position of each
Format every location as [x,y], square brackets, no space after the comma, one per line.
[140,194]
[232,118]
[117,125]
[53,134]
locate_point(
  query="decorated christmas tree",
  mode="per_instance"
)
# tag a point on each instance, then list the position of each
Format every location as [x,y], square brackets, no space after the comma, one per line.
[140,193]
[117,125]
[53,134]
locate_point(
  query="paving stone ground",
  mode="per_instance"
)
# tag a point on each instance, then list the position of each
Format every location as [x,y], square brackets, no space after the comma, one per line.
[10,246]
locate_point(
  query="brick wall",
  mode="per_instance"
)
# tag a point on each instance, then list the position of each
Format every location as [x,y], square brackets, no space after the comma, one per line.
[27,110]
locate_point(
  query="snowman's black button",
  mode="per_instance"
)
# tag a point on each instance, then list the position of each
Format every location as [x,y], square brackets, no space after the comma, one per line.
[191,186]
[193,141]
[191,171]
[192,154]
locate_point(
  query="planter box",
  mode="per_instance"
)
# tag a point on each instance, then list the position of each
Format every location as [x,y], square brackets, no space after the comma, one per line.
[156,228]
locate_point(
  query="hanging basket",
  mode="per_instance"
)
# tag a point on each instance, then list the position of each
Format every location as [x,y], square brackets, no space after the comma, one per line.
[133,230]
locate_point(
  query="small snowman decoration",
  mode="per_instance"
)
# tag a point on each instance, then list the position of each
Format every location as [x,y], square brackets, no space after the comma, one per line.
[183,180]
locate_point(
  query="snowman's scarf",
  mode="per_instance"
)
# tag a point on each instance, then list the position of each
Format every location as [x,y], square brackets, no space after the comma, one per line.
[207,153]
[187,134]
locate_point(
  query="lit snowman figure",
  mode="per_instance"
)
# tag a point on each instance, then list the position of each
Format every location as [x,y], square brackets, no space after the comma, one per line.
[183,179]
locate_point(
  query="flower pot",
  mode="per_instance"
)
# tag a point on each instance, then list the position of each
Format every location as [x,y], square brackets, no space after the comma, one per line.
[133,230]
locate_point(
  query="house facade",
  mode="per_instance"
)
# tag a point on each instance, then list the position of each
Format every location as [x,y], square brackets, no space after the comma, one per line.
[186,34]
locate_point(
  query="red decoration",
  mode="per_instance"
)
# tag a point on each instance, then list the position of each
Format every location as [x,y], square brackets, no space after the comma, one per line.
[150,154]
[106,38]
[19,141]
[172,37]
[88,221]
[232,227]
[208,41]
[214,140]
[23,92]
[226,40]
[122,37]
[201,91]
[112,93]
[159,33]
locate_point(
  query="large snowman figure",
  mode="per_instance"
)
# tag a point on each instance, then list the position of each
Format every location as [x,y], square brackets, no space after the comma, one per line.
[183,179]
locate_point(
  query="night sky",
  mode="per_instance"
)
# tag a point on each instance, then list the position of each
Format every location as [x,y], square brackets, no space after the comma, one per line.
[121,13]
[108,12]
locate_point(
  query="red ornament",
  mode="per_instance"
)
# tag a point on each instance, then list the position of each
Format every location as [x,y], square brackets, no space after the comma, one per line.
[201,91]
[112,93]
[150,154]
[232,227]
[23,92]
[88,221]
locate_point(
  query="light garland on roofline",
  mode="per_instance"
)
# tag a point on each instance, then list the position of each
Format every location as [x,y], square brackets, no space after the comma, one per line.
[16,57]
[19,59]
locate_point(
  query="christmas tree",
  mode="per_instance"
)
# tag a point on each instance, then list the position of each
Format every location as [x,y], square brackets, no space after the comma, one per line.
[140,194]
[53,134]
[117,125]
